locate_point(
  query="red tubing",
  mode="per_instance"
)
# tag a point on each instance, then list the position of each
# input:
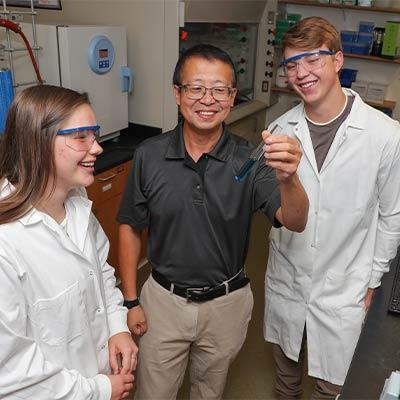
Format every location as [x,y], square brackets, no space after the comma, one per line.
[15,28]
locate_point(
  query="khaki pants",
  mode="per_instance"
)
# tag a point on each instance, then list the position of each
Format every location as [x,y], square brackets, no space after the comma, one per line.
[206,335]
[289,375]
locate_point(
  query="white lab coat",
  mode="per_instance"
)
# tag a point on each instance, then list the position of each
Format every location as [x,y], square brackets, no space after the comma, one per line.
[319,278]
[58,306]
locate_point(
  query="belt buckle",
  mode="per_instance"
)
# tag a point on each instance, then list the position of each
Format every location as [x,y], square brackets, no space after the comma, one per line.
[194,294]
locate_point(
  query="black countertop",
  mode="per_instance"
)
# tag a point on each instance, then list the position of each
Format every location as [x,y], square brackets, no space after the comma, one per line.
[120,149]
[378,350]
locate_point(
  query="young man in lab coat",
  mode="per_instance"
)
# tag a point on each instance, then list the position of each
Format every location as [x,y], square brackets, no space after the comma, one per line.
[320,283]
[198,301]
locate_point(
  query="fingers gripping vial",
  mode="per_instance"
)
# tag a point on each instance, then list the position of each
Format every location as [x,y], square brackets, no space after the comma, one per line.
[255,155]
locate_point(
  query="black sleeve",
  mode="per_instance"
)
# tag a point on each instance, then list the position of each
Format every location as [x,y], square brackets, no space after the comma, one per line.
[266,193]
[133,209]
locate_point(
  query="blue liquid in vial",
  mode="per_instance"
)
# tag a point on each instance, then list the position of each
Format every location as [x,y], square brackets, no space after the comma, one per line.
[255,155]
[246,167]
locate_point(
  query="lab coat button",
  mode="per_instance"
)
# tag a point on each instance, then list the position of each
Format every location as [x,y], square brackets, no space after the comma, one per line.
[91,273]
[99,310]
[313,245]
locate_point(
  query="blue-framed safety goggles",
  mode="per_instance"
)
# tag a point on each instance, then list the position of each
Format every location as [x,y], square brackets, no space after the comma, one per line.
[308,54]
[80,138]
[310,61]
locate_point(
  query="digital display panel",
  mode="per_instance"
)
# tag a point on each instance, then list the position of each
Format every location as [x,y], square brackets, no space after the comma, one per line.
[103,53]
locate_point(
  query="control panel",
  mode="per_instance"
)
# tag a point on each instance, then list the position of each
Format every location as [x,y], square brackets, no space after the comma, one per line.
[100,54]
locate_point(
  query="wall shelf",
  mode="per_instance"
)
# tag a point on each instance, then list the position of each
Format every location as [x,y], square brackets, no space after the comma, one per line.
[339,6]
[372,58]
[388,104]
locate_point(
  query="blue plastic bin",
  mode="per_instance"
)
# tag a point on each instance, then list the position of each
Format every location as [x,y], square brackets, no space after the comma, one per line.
[366,26]
[360,48]
[347,76]
[348,36]
[346,46]
[364,37]
[346,82]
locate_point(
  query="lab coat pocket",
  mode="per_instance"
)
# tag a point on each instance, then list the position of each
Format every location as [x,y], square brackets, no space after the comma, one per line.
[342,290]
[279,276]
[61,318]
[332,292]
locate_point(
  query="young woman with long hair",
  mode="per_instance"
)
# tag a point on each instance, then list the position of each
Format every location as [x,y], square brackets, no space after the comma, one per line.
[63,328]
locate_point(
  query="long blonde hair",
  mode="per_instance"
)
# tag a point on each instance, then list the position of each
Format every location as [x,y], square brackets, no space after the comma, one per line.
[27,148]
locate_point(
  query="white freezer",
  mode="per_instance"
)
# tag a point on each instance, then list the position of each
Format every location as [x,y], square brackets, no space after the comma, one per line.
[63,60]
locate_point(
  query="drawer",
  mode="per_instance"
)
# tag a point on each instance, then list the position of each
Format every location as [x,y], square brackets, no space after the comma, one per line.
[109,183]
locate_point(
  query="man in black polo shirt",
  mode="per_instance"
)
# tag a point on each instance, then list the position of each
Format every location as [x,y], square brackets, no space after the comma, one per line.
[198,301]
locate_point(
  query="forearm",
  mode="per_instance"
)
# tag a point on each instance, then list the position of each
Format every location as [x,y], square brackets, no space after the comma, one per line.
[130,246]
[294,204]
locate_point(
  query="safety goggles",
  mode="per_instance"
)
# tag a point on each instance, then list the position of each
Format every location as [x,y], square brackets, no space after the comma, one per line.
[81,138]
[310,61]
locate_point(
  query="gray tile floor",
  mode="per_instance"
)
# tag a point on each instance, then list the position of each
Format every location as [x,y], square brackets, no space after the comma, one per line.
[251,374]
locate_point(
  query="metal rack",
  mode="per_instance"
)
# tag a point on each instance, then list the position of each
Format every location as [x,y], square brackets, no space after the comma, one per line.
[12,15]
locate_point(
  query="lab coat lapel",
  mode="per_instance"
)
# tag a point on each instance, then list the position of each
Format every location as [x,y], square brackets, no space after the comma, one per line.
[60,235]
[302,133]
[355,123]
[78,210]
[340,137]
[78,217]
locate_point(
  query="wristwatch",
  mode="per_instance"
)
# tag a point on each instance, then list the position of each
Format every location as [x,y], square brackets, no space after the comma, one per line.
[131,303]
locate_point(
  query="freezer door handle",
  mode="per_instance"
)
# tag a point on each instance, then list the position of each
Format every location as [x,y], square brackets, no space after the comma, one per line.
[126,75]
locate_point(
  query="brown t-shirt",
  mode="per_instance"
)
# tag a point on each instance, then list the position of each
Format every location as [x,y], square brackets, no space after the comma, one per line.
[322,135]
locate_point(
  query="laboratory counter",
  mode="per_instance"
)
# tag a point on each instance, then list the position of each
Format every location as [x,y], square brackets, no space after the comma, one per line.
[120,149]
[378,350]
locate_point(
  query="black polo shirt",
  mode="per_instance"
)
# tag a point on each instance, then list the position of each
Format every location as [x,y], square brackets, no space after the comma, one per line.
[198,216]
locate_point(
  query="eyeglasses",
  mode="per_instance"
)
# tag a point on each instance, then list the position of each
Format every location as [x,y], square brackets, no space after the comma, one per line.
[197,92]
[310,61]
[81,138]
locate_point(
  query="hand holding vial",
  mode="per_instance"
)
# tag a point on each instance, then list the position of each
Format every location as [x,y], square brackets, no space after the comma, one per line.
[282,153]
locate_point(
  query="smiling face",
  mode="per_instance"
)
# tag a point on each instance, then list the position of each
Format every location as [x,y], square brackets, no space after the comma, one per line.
[75,168]
[204,116]
[320,85]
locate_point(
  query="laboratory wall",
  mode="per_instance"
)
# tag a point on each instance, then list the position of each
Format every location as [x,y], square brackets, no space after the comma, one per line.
[153,46]
[152,29]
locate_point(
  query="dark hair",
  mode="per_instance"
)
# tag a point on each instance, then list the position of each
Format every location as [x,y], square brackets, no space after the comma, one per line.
[208,52]
[312,32]
[27,148]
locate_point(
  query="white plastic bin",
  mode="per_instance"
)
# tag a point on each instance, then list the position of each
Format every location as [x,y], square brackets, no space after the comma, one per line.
[361,87]
[376,92]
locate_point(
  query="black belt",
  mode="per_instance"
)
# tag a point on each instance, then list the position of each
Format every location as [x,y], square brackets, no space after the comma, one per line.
[199,295]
